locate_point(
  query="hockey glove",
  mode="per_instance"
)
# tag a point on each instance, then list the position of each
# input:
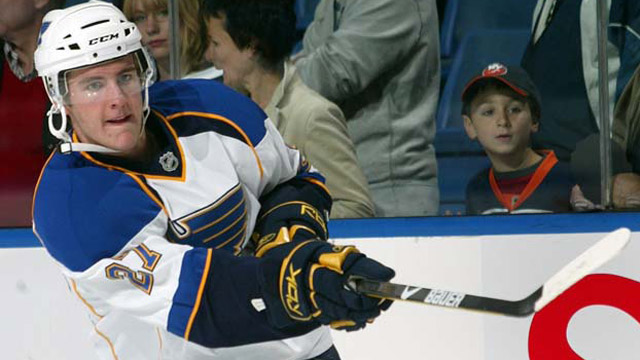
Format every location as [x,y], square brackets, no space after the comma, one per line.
[306,281]
[295,202]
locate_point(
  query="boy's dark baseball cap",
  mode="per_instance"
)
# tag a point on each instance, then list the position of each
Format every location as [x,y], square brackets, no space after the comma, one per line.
[514,77]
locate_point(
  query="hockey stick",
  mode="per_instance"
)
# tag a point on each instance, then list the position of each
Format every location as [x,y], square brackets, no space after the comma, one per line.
[601,252]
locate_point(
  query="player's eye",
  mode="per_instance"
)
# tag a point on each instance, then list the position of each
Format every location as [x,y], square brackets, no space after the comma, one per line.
[94,86]
[125,78]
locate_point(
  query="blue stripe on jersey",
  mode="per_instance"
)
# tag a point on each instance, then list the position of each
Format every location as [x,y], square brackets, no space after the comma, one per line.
[219,224]
[184,299]
[84,213]
[188,125]
[207,96]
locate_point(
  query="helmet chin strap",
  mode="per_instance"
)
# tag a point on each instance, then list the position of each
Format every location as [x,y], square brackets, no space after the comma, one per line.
[69,146]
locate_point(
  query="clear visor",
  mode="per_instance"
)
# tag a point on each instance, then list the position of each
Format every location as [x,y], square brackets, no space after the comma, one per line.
[109,81]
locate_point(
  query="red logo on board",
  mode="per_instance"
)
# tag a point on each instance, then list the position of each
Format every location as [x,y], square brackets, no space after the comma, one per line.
[548,332]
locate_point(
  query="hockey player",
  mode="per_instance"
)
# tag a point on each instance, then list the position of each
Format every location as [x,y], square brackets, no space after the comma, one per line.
[178,215]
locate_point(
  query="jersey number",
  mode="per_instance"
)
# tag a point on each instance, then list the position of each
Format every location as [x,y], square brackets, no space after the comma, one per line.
[143,280]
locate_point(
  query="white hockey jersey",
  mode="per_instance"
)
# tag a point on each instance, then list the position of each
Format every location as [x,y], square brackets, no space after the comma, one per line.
[151,247]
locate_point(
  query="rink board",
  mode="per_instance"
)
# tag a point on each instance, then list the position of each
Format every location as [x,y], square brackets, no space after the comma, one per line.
[504,257]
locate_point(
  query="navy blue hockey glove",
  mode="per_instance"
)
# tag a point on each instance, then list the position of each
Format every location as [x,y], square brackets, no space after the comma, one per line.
[307,281]
[295,202]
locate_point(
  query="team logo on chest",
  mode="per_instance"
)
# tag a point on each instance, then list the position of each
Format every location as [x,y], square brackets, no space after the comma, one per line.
[169,161]
[221,224]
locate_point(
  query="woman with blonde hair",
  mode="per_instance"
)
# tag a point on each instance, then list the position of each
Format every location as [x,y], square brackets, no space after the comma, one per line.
[152,18]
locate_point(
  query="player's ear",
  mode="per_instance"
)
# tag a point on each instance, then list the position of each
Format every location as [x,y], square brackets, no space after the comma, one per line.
[69,111]
[535,125]
[252,47]
[469,128]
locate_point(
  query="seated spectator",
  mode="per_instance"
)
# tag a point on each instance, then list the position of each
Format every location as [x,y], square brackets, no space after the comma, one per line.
[501,109]
[24,142]
[562,60]
[379,60]
[250,42]
[587,172]
[626,135]
[152,18]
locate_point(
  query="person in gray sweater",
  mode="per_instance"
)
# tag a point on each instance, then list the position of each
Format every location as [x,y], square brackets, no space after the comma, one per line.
[379,61]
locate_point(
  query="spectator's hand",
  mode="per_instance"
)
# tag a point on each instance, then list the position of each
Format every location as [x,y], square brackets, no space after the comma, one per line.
[579,202]
[626,191]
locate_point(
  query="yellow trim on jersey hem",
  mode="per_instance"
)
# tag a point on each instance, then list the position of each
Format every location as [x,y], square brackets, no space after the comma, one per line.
[91,308]
[196,306]
[106,338]
[74,287]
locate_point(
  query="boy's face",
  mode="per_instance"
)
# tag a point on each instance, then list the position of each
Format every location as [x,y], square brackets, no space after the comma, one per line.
[501,122]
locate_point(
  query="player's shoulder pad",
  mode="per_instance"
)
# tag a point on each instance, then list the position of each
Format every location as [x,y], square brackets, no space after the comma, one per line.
[83,212]
[197,99]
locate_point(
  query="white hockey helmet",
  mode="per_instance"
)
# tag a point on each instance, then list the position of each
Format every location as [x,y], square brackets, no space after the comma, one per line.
[82,35]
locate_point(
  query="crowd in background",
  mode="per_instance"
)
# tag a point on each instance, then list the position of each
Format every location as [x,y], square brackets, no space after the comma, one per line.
[358,90]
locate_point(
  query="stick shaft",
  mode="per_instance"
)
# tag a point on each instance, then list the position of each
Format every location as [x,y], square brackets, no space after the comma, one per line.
[446,298]
[598,254]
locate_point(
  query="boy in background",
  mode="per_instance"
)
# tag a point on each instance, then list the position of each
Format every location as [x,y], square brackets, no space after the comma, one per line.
[501,109]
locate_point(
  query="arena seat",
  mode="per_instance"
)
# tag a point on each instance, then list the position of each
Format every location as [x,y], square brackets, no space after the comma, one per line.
[462,17]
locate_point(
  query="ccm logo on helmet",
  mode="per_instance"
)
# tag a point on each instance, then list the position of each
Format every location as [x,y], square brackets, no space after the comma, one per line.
[104,38]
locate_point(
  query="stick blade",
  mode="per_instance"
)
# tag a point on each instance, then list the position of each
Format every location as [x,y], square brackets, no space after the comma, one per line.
[597,255]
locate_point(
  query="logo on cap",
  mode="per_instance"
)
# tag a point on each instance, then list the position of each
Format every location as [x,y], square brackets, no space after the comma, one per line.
[495,69]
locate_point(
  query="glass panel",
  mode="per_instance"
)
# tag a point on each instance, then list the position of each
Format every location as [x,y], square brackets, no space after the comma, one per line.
[624,72]
[554,41]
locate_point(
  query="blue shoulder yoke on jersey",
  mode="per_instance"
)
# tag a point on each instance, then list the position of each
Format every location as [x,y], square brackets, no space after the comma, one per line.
[206,99]
[84,212]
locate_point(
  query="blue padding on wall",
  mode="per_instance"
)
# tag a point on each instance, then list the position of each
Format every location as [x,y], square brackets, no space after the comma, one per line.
[484,225]
[437,226]
[12,238]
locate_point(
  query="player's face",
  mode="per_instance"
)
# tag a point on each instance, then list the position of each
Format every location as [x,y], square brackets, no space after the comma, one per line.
[153,24]
[224,54]
[501,123]
[104,103]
